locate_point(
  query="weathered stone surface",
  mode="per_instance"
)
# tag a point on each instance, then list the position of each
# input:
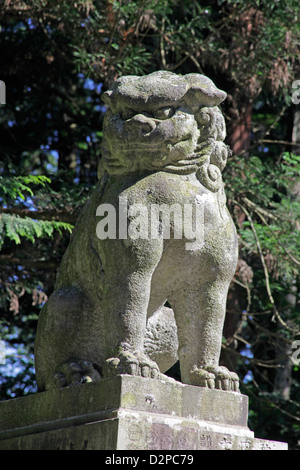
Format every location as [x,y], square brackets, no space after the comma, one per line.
[108,322]
[163,146]
[129,413]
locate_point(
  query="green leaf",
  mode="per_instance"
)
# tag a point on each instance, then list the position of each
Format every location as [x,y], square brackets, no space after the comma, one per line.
[82,145]
[14,187]
[15,228]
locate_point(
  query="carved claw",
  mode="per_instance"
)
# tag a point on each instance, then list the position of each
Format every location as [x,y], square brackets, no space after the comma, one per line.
[201,378]
[214,377]
[128,363]
[73,372]
[224,379]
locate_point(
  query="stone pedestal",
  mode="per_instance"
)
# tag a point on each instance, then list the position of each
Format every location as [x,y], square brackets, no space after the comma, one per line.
[130,413]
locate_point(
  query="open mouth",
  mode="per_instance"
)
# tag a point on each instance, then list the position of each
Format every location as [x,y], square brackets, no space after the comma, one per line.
[150,145]
[147,146]
[194,161]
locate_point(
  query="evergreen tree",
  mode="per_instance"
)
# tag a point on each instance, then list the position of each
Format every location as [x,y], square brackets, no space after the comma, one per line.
[56,60]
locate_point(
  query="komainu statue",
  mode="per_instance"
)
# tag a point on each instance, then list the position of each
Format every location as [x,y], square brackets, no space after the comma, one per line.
[130,300]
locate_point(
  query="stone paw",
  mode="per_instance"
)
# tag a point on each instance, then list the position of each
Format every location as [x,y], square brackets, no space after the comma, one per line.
[131,363]
[224,379]
[218,377]
[73,372]
[201,378]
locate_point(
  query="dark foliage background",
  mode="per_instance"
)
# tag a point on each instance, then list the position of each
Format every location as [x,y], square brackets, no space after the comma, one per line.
[56,59]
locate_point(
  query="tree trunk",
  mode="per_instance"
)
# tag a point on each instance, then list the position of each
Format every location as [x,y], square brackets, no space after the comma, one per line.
[283,375]
[239,138]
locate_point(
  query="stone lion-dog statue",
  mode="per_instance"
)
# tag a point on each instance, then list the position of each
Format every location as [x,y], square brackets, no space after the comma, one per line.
[135,305]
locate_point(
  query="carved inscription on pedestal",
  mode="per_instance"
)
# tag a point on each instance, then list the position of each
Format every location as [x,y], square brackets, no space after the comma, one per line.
[149,435]
[205,441]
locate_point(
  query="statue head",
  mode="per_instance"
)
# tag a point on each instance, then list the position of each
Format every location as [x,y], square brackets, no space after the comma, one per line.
[163,122]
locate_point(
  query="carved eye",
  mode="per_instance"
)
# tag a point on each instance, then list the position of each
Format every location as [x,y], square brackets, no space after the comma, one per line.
[164,113]
[128,114]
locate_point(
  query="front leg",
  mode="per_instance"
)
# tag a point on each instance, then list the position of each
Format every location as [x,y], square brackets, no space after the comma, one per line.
[125,308]
[200,317]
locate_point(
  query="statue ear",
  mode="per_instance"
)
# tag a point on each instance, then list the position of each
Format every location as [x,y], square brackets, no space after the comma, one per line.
[202,92]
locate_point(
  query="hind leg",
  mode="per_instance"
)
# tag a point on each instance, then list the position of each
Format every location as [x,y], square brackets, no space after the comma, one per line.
[68,340]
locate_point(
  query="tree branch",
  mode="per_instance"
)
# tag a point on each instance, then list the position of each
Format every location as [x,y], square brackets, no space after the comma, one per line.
[10,260]
[276,313]
[60,216]
[296,261]
[283,142]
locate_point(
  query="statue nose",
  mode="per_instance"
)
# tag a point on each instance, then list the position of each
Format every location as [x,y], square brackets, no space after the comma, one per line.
[141,123]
